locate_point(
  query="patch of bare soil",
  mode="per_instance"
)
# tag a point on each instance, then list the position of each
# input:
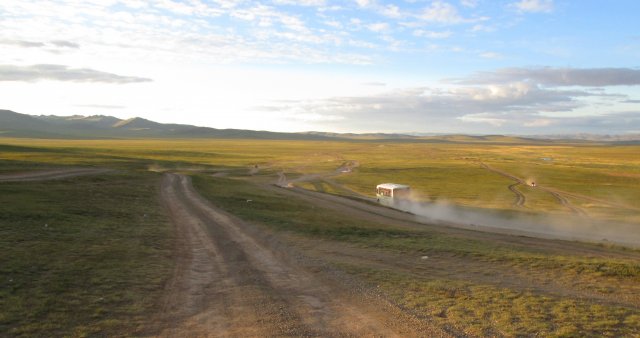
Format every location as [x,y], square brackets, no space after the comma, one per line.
[54,174]
[233,280]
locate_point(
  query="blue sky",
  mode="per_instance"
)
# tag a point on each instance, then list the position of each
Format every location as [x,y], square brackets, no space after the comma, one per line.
[463,66]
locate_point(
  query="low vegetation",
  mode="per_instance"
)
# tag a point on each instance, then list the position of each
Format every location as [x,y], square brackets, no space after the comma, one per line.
[479,306]
[85,256]
[88,256]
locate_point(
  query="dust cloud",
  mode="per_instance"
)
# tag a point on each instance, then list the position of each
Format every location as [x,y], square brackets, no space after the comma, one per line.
[567,227]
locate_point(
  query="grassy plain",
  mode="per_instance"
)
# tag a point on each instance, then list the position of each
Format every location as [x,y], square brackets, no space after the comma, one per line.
[475,305]
[99,264]
[82,257]
[436,171]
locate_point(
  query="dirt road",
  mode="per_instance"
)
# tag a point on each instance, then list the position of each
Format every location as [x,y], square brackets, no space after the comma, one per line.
[55,174]
[233,280]
[521,199]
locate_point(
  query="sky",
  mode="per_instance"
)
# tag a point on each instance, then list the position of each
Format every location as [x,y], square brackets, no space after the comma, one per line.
[525,67]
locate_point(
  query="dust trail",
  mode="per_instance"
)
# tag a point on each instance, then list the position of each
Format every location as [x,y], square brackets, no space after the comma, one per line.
[547,226]
[282,180]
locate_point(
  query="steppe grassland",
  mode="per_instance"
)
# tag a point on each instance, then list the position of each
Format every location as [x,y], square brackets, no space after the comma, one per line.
[455,297]
[83,256]
[449,171]
[436,171]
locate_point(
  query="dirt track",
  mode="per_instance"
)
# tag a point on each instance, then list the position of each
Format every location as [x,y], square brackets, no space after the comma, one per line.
[521,199]
[232,280]
[51,174]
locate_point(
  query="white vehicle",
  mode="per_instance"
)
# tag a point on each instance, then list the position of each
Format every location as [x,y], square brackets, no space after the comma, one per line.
[390,193]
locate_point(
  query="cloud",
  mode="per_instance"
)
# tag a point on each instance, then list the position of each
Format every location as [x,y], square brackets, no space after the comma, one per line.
[375,84]
[100,106]
[521,106]
[301,2]
[364,3]
[65,44]
[220,31]
[38,44]
[62,73]
[469,3]
[534,6]
[378,27]
[432,34]
[23,44]
[550,76]
[441,12]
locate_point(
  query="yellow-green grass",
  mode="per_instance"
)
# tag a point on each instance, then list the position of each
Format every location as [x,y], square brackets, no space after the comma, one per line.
[441,171]
[437,171]
[285,213]
[471,306]
[85,256]
[485,310]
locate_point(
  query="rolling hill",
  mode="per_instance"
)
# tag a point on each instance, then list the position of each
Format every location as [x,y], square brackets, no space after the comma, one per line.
[14,124]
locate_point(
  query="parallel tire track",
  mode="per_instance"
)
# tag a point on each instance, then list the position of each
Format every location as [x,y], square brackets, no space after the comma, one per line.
[229,282]
[520,198]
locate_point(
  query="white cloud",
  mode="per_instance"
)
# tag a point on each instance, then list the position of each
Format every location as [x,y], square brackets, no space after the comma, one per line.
[378,27]
[432,34]
[469,3]
[301,2]
[391,11]
[550,76]
[62,73]
[534,6]
[483,118]
[441,12]
[333,23]
[496,105]
[538,123]
[364,3]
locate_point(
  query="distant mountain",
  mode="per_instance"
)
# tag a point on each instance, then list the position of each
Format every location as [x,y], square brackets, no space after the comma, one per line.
[592,137]
[13,124]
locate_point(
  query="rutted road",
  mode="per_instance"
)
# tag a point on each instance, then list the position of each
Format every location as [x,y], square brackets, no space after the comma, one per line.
[520,198]
[54,174]
[231,280]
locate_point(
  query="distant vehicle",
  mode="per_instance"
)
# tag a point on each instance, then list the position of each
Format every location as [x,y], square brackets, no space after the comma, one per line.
[390,193]
[533,184]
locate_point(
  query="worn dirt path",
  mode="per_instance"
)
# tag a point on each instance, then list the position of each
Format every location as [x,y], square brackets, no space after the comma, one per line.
[327,178]
[54,174]
[521,199]
[233,280]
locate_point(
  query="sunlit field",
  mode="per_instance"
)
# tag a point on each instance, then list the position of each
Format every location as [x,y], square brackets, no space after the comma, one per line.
[60,237]
[601,180]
